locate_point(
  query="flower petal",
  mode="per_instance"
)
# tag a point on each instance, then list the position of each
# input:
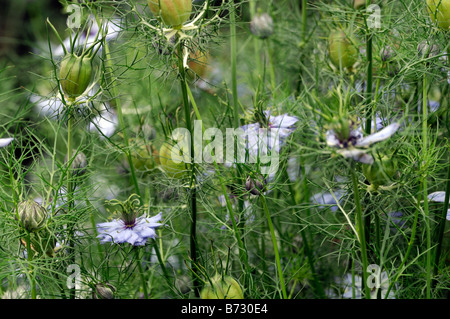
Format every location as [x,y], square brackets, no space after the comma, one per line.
[438,197]
[357,155]
[382,135]
[5,141]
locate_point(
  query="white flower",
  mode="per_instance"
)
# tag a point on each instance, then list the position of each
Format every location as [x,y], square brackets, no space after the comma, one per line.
[261,140]
[327,199]
[354,146]
[105,123]
[135,233]
[111,30]
[438,197]
[5,141]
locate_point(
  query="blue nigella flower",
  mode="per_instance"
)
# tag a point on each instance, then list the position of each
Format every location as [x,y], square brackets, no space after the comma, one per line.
[129,228]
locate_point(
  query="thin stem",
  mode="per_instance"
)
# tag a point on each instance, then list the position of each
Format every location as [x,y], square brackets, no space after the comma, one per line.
[317,284]
[442,221]
[369,49]
[192,186]
[361,232]
[233,48]
[30,267]
[275,246]
[424,181]
[141,273]
[70,190]
[115,101]
[408,251]
[242,251]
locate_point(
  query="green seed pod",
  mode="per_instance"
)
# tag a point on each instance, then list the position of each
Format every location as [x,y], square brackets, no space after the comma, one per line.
[75,75]
[341,49]
[145,157]
[380,172]
[172,162]
[222,287]
[172,12]
[439,11]
[262,25]
[31,215]
[358,4]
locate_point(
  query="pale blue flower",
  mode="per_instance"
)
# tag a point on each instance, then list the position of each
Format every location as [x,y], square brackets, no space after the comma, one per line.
[5,141]
[135,233]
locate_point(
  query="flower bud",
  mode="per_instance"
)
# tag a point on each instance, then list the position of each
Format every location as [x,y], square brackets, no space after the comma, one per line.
[222,287]
[341,49]
[104,291]
[31,215]
[75,75]
[380,172]
[387,53]
[426,50]
[79,164]
[172,12]
[262,25]
[439,11]
[255,185]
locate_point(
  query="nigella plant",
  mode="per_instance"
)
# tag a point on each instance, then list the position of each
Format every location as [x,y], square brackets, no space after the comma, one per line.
[130,227]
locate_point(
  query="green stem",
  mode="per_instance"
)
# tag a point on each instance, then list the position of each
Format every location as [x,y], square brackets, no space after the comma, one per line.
[192,186]
[442,221]
[408,251]
[369,49]
[317,284]
[141,272]
[233,48]
[424,181]
[361,232]
[242,251]
[275,246]
[30,267]
[70,190]
[115,101]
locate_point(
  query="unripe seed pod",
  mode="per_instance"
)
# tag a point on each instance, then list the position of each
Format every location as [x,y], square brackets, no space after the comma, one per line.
[75,75]
[31,215]
[387,53]
[172,12]
[341,49]
[172,162]
[222,288]
[79,164]
[145,157]
[262,25]
[357,4]
[426,50]
[104,291]
[255,185]
[380,172]
[439,11]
